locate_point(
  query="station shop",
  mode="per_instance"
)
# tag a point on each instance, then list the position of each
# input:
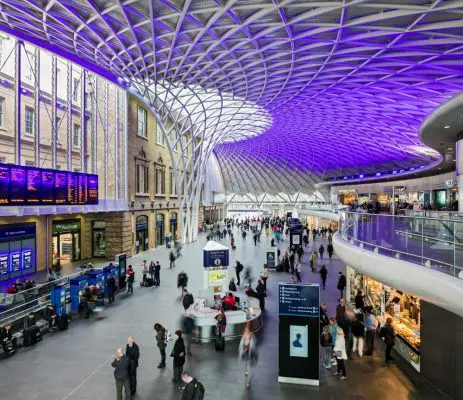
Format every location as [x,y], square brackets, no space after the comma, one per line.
[403,308]
[314,222]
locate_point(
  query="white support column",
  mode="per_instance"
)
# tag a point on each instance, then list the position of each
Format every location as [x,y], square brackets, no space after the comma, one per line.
[116,143]
[69,124]
[83,122]
[54,127]
[94,124]
[459,169]
[106,138]
[125,148]
[17,102]
[37,107]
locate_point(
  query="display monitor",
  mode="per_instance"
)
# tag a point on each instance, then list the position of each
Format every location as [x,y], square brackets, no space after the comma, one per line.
[4,184]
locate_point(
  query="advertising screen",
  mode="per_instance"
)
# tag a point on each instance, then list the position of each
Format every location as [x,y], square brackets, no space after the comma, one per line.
[37,186]
[3,264]
[17,185]
[27,259]
[4,185]
[298,343]
[15,261]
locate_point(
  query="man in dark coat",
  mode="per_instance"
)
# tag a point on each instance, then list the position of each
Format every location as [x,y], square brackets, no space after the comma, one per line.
[341,283]
[192,390]
[157,273]
[179,354]
[121,374]
[187,300]
[132,352]
[260,289]
[239,268]
[111,288]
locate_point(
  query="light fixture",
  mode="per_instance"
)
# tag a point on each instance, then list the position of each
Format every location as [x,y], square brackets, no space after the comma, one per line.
[360,176]
[446,126]
[378,174]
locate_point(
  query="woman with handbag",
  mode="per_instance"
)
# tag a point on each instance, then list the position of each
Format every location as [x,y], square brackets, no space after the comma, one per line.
[340,353]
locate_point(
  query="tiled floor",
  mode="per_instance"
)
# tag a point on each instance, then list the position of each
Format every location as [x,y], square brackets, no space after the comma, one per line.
[75,365]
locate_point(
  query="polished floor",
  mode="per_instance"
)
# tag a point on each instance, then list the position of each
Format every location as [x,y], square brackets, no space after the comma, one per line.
[75,365]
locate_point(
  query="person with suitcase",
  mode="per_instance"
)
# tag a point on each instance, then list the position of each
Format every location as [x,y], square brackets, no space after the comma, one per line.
[221,324]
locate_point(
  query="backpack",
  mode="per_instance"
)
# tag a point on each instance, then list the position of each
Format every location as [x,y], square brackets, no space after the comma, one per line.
[168,338]
[199,391]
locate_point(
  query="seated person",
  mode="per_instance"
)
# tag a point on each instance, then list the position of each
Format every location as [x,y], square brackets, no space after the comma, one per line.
[250,292]
[232,285]
[30,321]
[29,284]
[50,317]
[229,302]
[19,285]
[7,340]
[12,289]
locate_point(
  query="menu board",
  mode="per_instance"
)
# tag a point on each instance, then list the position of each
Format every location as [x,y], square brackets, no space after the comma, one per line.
[17,185]
[36,186]
[27,258]
[4,184]
[3,264]
[15,261]
[48,186]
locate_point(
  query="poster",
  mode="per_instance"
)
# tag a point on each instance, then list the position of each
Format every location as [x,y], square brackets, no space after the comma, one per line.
[15,261]
[298,341]
[296,239]
[3,264]
[27,259]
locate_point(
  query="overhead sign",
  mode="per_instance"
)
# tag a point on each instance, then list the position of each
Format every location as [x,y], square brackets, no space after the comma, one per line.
[451,183]
[21,185]
[215,258]
[299,300]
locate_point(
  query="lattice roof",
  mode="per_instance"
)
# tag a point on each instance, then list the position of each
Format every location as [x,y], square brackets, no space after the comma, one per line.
[346,84]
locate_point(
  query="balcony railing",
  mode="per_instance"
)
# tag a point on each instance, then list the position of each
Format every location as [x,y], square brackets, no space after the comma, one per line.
[435,243]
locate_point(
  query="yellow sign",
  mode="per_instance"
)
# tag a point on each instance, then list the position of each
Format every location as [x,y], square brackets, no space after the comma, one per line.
[217,276]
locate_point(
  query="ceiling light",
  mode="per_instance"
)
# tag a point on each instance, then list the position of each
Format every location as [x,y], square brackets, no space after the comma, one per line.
[446,126]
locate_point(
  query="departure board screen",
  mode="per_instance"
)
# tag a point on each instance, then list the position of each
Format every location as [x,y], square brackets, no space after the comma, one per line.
[4,264]
[18,185]
[37,186]
[48,186]
[4,185]
[34,185]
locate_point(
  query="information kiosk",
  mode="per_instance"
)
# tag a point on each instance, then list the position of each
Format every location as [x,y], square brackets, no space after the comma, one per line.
[58,299]
[299,332]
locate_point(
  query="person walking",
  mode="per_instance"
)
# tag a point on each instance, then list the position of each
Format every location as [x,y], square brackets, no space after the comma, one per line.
[326,341]
[261,294]
[388,334]
[255,239]
[324,320]
[248,354]
[264,276]
[313,261]
[172,260]
[130,279]
[330,249]
[305,240]
[300,253]
[292,257]
[151,271]
[187,300]
[358,330]
[188,325]
[238,268]
[182,282]
[111,283]
[341,283]
[321,250]
[121,374]
[144,271]
[323,275]
[179,354]
[160,342]
[297,270]
[371,325]
[359,300]
[132,352]
[243,234]
[193,390]
[340,354]
[157,274]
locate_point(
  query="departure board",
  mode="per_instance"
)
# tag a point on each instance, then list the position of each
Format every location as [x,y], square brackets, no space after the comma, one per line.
[4,185]
[34,185]
[37,186]
[4,264]
[17,185]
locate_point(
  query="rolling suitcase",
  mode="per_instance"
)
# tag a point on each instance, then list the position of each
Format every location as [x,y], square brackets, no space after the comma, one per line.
[29,337]
[62,322]
[149,282]
[219,344]
[37,334]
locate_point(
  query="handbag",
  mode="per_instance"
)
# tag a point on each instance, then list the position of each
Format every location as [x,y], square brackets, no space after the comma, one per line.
[338,353]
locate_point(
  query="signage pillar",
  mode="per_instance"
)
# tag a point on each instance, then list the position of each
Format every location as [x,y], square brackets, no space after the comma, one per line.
[299,333]
[271,257]
[459,170]
[215,262]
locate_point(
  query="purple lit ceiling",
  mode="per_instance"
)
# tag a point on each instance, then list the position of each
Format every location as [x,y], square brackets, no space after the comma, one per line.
[346,83]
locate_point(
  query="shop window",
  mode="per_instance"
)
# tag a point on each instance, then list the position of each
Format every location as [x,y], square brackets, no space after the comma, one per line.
[76,135]
[29,120]
[99,239]
[142,178]
[2,111]
[142,122]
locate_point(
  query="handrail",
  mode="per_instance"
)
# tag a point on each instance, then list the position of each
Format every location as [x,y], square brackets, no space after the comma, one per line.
[401,216]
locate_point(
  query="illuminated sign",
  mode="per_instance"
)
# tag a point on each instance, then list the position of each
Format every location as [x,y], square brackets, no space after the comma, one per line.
[37,186]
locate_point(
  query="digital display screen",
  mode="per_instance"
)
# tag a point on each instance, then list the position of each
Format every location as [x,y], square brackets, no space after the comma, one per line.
[48,187]
[37,186]
[299,300]
[298,340]
[27,259]
[3,264]
[4,184]
[15,261]
[34,186]
[17,185]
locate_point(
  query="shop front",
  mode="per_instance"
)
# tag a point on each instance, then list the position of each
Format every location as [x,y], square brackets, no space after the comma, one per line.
[347,197]
[17,250]
[99,239]
[173,225]
[159,229]
[141,238]
[387,302]
[66,241]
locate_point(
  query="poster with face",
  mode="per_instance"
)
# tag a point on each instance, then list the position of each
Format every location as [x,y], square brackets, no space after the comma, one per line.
[298,341]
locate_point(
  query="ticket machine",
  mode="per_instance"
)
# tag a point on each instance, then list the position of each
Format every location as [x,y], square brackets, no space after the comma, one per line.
[96,278]
[58,299]
[77,285]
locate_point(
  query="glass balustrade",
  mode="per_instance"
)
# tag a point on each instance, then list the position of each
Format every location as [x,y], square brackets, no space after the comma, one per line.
[434,242]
